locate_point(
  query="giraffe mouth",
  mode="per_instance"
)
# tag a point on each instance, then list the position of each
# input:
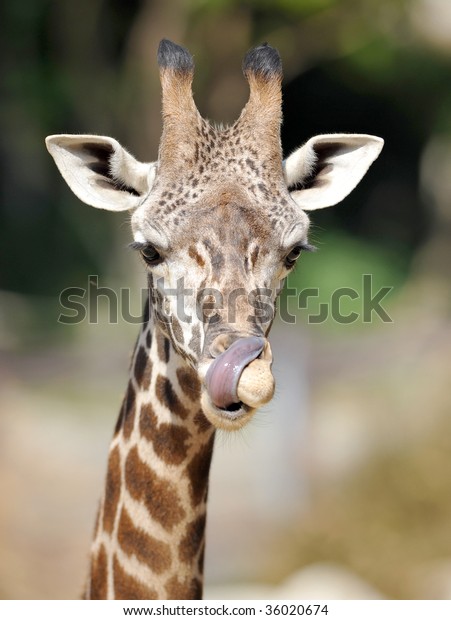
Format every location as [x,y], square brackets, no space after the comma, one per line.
[225,371]
[234,407]
[239,381]
[230,418]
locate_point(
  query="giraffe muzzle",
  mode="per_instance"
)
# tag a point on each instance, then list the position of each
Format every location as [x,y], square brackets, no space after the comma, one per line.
[241,375]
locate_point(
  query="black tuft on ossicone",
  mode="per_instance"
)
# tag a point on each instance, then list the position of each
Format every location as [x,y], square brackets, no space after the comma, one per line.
[172,56]
[264,61]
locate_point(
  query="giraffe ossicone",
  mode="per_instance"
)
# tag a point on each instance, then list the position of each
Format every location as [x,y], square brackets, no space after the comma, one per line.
[219,219]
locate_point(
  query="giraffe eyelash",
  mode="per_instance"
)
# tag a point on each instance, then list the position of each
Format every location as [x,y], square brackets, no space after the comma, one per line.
[149,252]
[307,247]
[137,245]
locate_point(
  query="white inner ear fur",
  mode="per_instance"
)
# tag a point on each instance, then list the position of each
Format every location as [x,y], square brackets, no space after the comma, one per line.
[125,169]
[331,165]
[300,164]
[100,171]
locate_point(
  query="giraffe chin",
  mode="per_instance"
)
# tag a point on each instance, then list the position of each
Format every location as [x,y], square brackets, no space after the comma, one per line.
[229,419]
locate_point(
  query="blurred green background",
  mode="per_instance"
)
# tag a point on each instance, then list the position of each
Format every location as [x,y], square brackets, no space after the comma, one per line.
[371,505]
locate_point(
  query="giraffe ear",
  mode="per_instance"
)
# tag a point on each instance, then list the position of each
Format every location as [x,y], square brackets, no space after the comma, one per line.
[328,167]
[100,171]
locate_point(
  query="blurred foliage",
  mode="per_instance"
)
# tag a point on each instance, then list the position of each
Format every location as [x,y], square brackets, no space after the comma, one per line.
[389,524]
[347,260]
[90,67]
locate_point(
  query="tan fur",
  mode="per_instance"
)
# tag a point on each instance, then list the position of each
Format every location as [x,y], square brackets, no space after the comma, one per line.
[256,386]
[180,121]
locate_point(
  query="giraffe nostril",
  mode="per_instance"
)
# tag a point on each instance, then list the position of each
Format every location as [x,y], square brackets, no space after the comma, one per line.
[220,344]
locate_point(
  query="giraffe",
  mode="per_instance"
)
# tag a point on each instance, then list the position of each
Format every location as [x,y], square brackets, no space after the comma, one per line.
[219,220]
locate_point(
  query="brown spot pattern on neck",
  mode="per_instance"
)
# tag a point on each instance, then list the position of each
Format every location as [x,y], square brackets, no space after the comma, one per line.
[158,495]
[170,441]
[128,588]
[98,577]
[112,490]
[147,549]
[167,396]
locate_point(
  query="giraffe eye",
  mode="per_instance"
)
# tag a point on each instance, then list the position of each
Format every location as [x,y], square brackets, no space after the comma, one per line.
[292,257]
[151,255]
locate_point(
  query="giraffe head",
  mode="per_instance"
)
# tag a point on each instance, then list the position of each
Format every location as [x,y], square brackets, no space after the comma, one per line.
[219,219]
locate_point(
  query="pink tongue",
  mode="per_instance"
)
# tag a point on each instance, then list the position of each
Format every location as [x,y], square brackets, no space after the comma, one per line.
[225,371]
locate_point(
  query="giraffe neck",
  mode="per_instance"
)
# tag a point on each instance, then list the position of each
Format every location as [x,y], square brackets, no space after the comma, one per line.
[149,540]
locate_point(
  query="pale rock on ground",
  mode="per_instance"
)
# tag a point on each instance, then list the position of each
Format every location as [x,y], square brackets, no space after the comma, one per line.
[316,582]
